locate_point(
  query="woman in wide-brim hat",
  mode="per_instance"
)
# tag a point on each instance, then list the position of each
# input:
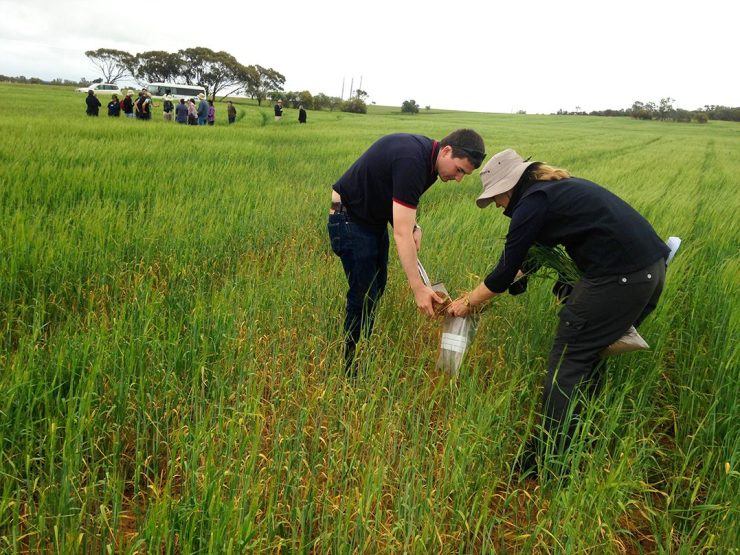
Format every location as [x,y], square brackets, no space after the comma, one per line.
[617,251]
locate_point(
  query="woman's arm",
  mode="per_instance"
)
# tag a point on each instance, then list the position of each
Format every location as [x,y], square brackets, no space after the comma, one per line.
[526,223]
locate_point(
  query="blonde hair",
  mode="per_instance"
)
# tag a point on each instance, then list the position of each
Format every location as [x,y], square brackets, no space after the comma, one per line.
[543,172]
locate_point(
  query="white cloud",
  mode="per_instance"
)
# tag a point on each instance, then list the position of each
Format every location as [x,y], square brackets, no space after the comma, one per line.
[535,55]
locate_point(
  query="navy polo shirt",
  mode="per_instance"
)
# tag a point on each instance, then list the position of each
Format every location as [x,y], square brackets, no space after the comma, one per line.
[398,167]
[601,233]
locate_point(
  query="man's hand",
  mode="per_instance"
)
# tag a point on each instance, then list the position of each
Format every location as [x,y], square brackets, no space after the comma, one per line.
[425,299]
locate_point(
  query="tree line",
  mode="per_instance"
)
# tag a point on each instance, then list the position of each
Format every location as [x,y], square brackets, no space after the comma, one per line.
[262,83]
[38,81]
[219,73]
[664,111]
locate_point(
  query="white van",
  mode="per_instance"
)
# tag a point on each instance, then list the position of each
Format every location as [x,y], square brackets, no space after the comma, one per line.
[176,90]
[101,88]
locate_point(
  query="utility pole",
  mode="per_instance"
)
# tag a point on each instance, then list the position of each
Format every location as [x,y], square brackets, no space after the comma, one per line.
[351,83]
[360,87]
[342,88]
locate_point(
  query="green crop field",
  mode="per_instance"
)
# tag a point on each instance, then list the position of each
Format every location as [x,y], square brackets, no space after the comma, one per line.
[171,356]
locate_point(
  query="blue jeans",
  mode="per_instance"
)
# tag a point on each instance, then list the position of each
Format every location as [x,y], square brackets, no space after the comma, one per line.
[364,256]
[201,120]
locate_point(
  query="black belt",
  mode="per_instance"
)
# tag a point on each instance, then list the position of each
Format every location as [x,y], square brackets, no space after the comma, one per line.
[338,208]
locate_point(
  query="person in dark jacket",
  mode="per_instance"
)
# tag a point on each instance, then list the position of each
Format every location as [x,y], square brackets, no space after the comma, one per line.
[146,105]
[168,107]
[181,112]
[279,110]
[93,104]
[139,105]
[301,114]
[621,258]
[231,112]
[127,104]
[114,107]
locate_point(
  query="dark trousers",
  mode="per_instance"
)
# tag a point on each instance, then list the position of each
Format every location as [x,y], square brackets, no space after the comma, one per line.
[364,256]
[597,313]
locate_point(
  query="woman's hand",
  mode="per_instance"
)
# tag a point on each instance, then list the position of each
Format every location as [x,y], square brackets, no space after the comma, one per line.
[460,307]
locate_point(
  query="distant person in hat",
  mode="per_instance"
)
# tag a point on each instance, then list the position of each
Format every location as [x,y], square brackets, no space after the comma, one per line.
[620,256]
[384,187]
[168,108]
[93,103]
[127,104]
[202,109]
[279,110]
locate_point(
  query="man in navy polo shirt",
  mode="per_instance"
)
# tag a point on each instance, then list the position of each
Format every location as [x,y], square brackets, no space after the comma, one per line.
[384,186]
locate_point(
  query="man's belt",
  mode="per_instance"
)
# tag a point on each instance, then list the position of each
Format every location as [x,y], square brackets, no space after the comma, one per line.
[338,208]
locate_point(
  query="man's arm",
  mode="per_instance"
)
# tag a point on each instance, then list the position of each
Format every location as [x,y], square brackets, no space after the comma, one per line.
[404,220]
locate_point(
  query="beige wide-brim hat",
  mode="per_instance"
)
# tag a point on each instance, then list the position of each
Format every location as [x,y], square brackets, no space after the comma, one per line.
[201,96]
[130,93]
[168,97]
[501,174]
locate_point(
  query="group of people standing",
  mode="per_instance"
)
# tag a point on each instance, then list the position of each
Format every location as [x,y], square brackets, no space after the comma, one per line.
[302,116]
[190,111]
[620,257]
[141,108]
[185,112]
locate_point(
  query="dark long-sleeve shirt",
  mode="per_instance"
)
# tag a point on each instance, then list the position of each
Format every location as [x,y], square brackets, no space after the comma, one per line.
[93,104]
[601,233]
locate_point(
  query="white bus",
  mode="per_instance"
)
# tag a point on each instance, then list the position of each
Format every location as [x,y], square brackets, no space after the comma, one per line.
[176,90]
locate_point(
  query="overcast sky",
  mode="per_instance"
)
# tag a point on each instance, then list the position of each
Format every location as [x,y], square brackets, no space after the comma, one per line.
[487,55]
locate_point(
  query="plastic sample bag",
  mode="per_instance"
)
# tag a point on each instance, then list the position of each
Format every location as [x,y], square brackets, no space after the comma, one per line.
[457,333]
